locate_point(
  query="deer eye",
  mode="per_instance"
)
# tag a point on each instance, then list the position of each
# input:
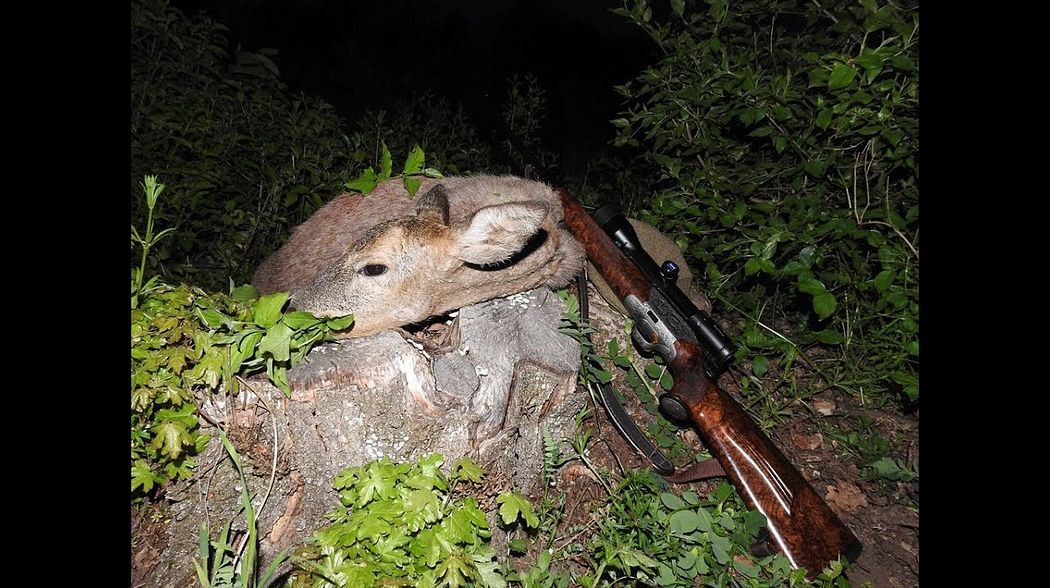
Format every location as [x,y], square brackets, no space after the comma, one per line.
[372,269]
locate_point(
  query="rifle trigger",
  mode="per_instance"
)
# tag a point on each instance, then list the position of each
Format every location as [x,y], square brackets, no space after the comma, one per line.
[639,339]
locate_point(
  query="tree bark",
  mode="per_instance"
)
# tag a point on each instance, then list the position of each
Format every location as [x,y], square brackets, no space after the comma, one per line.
[488,397]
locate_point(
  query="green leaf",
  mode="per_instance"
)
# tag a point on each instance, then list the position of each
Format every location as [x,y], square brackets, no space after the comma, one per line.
[841,76]
[869,60]
[170,437]
[760,365]
[339,323]
[684,522]
[824,304]
[720,546]
[211,317]
[466,469]
[248,341]
[678,6]
[671,501]
[746,568]
[893,136]
[811,286]
[654,371]
[414,161]
[245,293]
[377,482]
[686,561]
[268,309]
[830,337]
[385,163]
[430,469]
[815,167]
[513,505]
[884,279]
[666,576]
[277,342]
[300,319]
[667,381]
[490,574]
[143,477]
[913,348]
[357,574]
[364,183]
[518,546]
[412,185]
[824,119]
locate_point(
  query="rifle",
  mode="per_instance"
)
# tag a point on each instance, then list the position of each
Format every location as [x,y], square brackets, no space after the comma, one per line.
[799,523]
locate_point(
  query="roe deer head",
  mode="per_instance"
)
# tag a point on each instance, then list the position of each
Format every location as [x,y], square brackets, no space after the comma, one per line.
[471,239]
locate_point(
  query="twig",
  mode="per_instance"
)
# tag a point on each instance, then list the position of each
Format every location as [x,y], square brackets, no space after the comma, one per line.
[854,204]
[825,11]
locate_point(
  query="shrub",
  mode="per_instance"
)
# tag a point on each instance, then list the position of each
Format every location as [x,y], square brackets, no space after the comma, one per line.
[785,137]
[245,159]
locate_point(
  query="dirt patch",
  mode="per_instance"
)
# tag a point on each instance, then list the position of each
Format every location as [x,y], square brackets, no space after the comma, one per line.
[149,538]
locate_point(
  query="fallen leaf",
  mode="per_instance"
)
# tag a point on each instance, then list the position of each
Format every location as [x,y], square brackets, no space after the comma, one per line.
[808,442]
[846,496]
[824,407]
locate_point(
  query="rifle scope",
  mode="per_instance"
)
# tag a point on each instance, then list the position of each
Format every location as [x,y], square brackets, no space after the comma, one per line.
[718,348]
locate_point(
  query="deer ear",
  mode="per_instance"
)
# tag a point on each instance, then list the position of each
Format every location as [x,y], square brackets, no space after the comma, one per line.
[434,205]
[495,233]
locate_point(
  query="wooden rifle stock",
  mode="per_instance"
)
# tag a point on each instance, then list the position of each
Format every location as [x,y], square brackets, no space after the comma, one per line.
[799,522]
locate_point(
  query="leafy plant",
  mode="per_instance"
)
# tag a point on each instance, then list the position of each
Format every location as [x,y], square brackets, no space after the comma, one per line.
[245,158]
[406,524]
[874,452]
[435,124]
[222,565]
[785,135]
[524,112]
[410,174]
[152,192]
[186,344]
[662,539]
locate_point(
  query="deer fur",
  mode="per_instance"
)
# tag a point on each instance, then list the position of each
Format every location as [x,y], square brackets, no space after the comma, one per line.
[392,261]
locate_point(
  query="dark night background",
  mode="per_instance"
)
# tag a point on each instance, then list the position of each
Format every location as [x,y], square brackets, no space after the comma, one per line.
[368,54]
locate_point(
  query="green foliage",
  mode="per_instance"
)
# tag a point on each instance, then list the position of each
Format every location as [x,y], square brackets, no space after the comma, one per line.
[661,539]
[406,525]
[523,115]
[152,191]
[873,453]
[220,565]
[785,136]
[186,343]
[245,159]
[434,124]
[410,174]
[644,535]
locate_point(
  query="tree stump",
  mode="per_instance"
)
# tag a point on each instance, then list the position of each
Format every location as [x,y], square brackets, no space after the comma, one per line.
[487,396]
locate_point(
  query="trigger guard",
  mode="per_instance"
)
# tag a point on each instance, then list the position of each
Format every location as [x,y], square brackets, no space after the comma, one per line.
[641,342]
